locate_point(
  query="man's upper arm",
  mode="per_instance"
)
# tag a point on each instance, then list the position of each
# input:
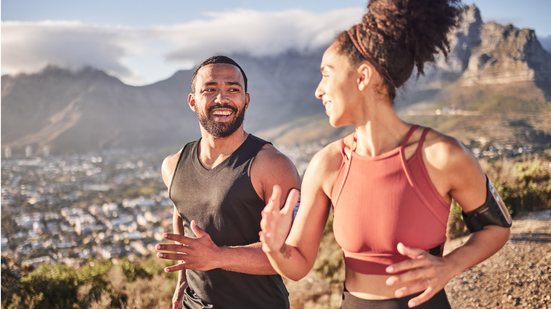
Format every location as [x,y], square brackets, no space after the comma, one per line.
[168,168]
[270,168]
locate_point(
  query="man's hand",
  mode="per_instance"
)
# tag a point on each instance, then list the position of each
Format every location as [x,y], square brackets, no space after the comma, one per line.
[199,253]
[276,222]
[423,272]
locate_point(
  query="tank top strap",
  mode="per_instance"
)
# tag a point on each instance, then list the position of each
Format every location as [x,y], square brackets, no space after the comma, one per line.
[345,155]
[342,147]
[251,146]
[422,139]
[342,174]
[408,135]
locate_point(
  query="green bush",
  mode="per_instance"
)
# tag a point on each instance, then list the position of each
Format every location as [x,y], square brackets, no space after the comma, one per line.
[96,284]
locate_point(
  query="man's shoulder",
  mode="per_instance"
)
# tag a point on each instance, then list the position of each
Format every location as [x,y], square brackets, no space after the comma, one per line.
[270,156]
[169,166]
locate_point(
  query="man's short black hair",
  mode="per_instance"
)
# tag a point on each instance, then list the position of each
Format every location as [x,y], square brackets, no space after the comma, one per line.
[214,60]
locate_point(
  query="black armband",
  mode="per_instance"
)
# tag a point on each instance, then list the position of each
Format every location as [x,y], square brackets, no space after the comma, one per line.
[492,212]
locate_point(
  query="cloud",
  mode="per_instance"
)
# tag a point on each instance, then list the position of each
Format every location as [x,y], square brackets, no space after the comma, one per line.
[30,46]
[256,33]
[138,55]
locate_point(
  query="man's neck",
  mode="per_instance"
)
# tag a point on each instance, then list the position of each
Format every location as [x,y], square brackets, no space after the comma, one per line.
[214,150]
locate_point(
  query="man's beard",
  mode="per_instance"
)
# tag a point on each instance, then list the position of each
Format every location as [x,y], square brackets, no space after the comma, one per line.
[218,129]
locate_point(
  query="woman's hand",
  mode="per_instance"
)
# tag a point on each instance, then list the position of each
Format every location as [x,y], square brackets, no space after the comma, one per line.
[276,221]
[423,272]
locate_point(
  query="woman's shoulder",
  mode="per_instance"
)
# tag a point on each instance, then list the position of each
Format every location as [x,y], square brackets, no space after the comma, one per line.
[444,151]
[336,149]
[330,157]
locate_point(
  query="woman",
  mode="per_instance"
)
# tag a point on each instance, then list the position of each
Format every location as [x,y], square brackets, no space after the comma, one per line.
[390,182]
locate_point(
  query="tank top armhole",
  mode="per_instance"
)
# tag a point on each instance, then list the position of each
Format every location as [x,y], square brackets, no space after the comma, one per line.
[341,179]
[260,143]
[419,154]
[174,173]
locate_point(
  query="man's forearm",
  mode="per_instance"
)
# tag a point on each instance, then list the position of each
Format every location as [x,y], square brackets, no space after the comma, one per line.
[249,259]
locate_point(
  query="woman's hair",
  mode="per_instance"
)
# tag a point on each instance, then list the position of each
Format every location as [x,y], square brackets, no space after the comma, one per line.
[396,35]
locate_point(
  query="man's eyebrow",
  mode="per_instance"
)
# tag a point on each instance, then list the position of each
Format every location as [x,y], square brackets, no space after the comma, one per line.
[234,84]
[213,83]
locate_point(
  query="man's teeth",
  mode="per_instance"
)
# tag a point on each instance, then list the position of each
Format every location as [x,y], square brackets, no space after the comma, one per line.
[222,113]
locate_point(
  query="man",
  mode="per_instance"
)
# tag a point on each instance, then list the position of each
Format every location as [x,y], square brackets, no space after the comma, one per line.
[219,186]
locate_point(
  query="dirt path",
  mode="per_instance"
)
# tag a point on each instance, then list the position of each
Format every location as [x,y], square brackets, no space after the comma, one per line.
[518,276]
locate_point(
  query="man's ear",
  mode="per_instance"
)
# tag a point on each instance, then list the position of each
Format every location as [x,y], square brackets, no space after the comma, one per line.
[191,101]
[364,75]
[247,100]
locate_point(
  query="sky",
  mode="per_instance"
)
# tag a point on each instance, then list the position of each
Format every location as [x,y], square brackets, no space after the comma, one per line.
[144,41]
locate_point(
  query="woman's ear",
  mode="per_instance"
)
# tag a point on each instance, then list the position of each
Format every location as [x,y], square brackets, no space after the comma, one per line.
[364,75]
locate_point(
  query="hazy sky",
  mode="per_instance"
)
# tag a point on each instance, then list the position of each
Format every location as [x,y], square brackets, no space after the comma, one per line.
[145,41]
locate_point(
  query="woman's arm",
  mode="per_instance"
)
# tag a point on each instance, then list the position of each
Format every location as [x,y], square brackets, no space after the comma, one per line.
[293,256]
[466,184]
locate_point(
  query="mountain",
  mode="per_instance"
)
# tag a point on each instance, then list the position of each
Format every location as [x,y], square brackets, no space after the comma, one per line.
[75,112]
[492,69]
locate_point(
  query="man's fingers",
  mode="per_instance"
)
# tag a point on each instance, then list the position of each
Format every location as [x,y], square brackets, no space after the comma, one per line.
[171,256]
[177,267]
[197,230]
[169,247]
[177,237]
[291,201]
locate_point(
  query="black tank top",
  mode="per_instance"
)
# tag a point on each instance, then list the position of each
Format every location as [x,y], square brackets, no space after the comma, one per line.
[224,203]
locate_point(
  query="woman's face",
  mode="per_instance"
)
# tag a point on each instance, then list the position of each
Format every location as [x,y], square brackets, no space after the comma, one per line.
[337,86]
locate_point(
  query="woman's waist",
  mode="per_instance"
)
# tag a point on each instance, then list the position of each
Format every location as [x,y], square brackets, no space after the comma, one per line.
[375,263]
[368,286]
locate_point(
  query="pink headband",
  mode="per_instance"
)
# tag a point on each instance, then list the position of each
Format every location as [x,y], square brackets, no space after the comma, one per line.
[354,35]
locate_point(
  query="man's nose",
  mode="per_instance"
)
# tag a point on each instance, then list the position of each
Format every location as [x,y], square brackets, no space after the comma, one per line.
[221,97]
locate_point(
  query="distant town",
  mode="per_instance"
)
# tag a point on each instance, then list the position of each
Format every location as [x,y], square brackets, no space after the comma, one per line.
[67,209]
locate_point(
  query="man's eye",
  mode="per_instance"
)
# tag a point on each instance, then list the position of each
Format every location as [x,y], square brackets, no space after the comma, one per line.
[234,89]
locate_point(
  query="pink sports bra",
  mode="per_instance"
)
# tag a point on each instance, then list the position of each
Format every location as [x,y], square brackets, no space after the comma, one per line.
[382,200]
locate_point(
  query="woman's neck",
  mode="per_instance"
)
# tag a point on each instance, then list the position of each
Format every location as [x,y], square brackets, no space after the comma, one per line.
[380,130]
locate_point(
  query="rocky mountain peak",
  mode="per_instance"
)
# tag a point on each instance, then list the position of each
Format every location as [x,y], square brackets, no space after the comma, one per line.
[463,39]
[505,55]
